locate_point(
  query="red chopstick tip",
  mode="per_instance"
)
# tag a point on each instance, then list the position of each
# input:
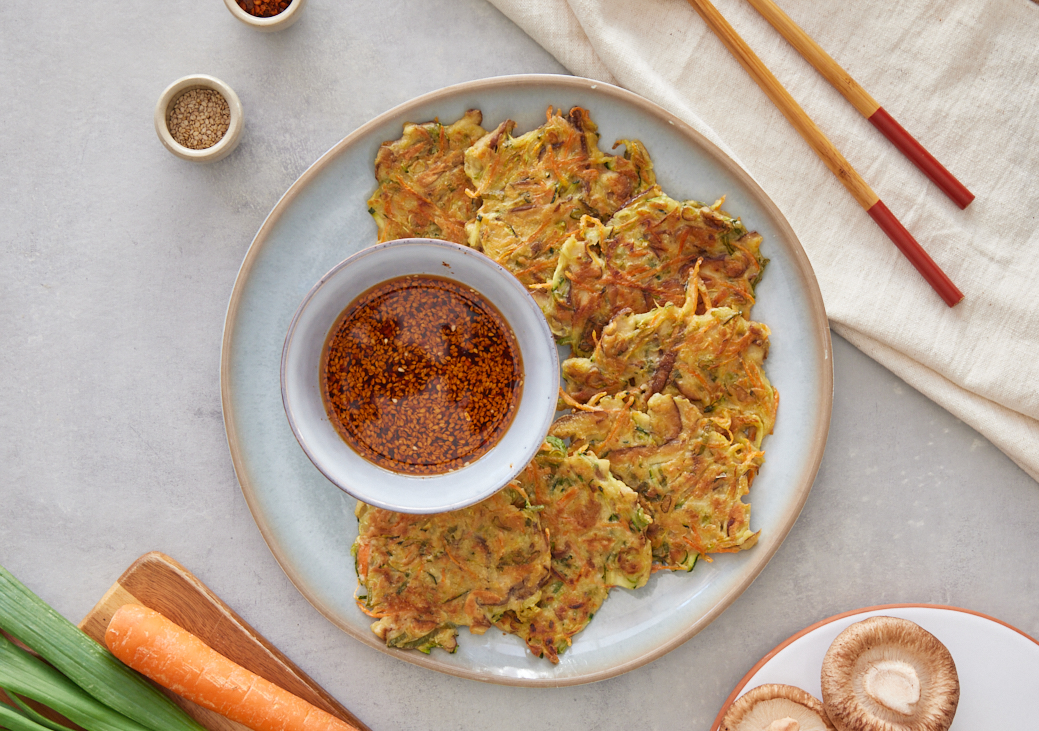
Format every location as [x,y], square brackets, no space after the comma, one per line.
[915,253]
[920,157]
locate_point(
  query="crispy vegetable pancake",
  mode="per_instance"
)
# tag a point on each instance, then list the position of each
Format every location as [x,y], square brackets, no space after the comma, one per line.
[670,398]
[597,532]
[641,259]
[690,470]
[536,187]
[688,407]
[716,360]
[422,181]
[423,576]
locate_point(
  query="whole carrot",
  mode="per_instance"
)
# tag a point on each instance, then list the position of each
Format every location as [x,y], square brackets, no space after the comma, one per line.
[178,660]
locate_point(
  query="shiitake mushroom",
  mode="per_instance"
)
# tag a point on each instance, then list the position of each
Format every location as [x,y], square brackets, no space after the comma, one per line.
[776,708]
[889,674]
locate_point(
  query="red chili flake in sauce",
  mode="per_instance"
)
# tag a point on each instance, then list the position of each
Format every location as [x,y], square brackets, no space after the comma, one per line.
[421,375]
[264,8]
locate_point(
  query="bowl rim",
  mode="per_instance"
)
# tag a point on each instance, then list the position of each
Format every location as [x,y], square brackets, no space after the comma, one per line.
[275,22]
[174,91]
[543,334]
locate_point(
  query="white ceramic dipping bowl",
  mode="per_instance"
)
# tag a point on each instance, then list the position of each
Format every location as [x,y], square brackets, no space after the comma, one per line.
[301,389]
[281,21]
[164,109]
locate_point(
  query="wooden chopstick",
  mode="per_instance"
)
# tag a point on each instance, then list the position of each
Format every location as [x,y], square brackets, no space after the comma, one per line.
[866,104]
[829,154]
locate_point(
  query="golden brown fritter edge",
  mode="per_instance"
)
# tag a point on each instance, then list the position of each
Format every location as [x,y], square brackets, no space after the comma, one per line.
[422,182]
[536,187]
[641,258]
[679,404]
[423,576]
[597,535]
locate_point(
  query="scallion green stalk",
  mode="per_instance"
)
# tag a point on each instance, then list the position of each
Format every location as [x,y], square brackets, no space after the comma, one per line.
[29,676]
[86,663]
[11,719]
[32,714]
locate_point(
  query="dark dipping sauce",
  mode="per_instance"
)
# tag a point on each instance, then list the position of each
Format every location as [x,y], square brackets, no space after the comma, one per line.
[421,375]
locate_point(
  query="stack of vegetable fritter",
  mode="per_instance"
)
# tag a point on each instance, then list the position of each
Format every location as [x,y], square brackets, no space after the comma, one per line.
[669,398]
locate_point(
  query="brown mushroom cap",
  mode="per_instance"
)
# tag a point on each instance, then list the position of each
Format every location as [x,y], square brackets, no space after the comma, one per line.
[889,674]
[768,704]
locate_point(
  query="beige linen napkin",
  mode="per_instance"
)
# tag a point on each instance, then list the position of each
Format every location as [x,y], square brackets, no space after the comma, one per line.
[962,76]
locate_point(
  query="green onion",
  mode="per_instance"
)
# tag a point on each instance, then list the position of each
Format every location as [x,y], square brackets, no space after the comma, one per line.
[11,719]
[26,675]
[86,663]
[32,715]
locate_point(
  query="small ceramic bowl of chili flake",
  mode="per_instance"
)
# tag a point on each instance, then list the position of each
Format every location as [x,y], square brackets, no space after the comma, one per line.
[419,376]
[199,118]
[266,15]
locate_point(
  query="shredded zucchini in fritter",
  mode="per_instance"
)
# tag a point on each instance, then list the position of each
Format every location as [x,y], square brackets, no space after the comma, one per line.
[536,187]
[689,407]
[422,181]
[641,258]
[716,360]
[690,471]
[423,576]
[596,529]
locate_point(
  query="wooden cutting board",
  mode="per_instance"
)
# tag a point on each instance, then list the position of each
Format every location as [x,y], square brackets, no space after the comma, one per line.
[160,583]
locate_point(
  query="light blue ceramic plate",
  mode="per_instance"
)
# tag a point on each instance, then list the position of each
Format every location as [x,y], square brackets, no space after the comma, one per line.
[309,523]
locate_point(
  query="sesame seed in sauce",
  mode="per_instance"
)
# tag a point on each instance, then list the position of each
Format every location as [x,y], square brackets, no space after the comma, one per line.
[421,375]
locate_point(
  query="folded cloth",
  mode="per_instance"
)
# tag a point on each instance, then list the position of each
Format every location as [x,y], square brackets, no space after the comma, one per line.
[961,76]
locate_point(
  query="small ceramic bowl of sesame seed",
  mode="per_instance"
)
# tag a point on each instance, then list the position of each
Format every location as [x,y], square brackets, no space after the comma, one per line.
[266,15]
[199,118]
[419,376]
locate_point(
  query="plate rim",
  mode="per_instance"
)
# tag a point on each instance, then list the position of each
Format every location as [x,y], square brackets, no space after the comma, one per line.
[819,326]
[836,618]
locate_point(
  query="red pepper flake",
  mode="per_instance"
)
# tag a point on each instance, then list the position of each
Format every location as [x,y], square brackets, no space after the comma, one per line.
[264,8]
[421,375]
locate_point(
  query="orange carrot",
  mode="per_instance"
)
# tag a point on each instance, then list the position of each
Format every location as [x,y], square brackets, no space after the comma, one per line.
[178,660]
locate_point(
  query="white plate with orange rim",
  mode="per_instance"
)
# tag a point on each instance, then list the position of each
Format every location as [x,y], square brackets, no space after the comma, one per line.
[997,664]
[309,524]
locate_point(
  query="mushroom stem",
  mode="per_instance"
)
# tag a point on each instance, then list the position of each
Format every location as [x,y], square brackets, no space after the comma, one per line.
[784,724]
[893,684]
